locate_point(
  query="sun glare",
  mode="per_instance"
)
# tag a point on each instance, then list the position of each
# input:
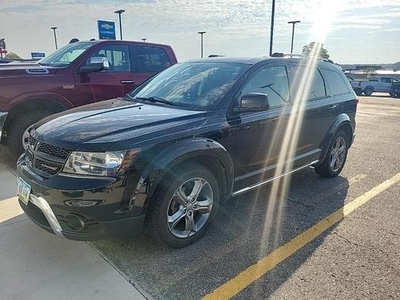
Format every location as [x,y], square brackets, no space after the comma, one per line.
[323,19]
[302,83]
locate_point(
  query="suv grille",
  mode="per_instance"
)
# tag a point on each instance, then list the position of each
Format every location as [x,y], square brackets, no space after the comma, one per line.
[53,150]
[45,159]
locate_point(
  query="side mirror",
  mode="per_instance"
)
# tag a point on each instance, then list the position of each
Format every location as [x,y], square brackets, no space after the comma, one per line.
[96,64]
[253,102]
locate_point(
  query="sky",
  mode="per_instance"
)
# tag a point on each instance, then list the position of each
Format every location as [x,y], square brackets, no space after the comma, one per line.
[352,31]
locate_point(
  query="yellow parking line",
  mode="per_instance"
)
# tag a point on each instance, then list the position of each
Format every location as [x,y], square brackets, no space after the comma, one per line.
[254,272]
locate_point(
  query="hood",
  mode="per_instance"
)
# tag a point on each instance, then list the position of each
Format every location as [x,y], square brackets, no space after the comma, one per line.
[115,124]
[24,69]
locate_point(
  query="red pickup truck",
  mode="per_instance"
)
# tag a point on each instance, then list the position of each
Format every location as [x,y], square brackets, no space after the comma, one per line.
[77,74]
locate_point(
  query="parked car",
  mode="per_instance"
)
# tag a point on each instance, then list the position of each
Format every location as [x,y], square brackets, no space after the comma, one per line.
[395,90]
[380,84]
[192,137]
[77,74]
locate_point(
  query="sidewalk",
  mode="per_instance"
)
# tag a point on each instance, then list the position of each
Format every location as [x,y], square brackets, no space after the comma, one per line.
[37,265]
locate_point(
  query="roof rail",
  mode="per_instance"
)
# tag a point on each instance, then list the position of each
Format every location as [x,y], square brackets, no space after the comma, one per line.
[281,54]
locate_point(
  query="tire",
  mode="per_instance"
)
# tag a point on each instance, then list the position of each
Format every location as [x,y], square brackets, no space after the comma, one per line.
[18,130]
[175,217]
[336,157]
[358,91]
[368,91]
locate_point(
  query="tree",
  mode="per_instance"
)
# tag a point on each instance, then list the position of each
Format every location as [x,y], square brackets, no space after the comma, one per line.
[315,48]
[369,72]
[12,55]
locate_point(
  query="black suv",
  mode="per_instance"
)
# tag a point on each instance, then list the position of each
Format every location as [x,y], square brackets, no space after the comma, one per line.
[186,140]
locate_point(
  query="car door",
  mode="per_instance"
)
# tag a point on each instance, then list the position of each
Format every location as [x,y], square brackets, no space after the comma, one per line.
[259,135]
[385,84]
[117,81]
[324,92]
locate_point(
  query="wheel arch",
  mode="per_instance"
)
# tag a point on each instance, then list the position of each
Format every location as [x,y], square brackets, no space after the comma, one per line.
[51,102]
[203,151]
[370,87]
[342,122]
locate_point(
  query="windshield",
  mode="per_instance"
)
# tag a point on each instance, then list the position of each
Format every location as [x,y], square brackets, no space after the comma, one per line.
[193,85]
[65,55]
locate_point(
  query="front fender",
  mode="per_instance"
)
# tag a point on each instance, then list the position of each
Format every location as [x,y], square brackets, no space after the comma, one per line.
[196,149]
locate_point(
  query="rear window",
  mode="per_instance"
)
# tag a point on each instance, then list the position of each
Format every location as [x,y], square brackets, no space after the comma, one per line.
[308,83]
[336,82]
[151,59]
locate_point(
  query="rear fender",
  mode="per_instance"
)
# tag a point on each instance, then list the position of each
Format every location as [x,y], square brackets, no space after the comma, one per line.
[342,121]
[201,150]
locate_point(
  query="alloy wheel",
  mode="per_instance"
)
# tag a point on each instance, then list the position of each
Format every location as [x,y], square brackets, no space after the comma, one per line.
[190,207]
[338,154]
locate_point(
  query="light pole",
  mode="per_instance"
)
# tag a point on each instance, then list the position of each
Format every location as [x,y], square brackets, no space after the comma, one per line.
[293,23]
[55,36]
[201,42]
[2,47]
[119,12]
[271,36]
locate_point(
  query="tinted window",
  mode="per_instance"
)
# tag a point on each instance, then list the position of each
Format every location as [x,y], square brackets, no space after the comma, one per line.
[301,85]
[386,80]
[151,59]
[272,81]
[118,57]
[336,82]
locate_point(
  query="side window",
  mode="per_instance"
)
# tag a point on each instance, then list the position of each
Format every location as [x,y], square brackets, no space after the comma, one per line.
[272,81]
[150,59]
[336,82]
[316,89]
[118,57]
[386,80]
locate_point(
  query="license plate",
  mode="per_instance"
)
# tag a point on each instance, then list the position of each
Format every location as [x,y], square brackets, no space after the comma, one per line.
[24,190]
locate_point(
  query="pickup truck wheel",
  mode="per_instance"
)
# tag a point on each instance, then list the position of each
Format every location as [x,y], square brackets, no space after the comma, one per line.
[18,132]
[335,159]
[183,206]
[368,91]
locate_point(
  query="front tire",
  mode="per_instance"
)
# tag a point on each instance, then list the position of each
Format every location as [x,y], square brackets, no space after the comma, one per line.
[368,91]
[335,159]
[183,205]
[18,131]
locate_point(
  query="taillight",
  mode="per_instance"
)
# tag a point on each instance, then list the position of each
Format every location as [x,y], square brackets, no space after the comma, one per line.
[357,100]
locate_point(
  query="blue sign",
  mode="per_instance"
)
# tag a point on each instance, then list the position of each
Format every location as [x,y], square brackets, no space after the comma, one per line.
[106,30]
[37,55]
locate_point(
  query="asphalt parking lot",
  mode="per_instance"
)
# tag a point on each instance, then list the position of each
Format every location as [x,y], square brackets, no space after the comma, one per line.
[327,239]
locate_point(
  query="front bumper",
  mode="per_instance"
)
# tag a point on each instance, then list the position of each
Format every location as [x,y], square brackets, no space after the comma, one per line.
[3,116]
[50,206]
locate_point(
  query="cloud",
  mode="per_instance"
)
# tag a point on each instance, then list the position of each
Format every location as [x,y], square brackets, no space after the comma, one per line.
[237,27]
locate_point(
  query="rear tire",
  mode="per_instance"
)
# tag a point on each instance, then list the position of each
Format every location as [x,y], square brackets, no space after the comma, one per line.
[17,138]
[335,159]
[183,206]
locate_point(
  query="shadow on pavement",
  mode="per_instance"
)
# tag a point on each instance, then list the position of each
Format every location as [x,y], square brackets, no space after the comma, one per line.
[232,244]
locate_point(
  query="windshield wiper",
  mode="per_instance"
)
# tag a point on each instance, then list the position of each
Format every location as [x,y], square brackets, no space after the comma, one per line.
[156,99]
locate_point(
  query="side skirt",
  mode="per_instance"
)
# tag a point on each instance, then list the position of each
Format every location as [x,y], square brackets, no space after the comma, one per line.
[257,185]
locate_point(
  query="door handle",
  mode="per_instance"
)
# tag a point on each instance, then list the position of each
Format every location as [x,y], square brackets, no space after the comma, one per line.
[333,106]
[127,81]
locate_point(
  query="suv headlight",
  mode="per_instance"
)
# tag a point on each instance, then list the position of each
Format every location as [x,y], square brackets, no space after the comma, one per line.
[100,163]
